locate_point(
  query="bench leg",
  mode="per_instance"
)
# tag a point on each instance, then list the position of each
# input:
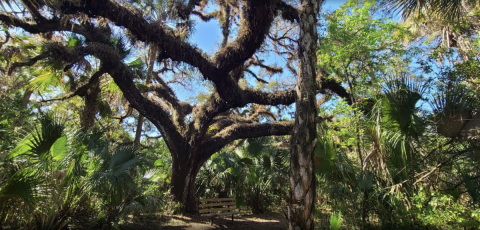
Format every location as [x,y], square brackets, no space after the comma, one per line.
[232,217]
[211,221]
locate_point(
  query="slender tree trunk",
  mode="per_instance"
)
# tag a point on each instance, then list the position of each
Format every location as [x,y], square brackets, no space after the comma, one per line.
[302,176]
[151,61]
[87,117]
[138,132]
[26,98]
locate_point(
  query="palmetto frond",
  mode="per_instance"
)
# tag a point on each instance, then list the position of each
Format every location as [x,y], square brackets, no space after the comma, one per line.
[402,96]
[453,110]
[450,9]
[20,185]
[111,178]
[46,143]
[142,204]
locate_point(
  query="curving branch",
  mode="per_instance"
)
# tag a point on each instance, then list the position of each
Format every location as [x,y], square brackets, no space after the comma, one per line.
[258,17]
[90,32]
[30,62]
[184,10]
[258,62]
[288,12]
[171,45]
[325,83]
[245,130]
[122,76]
[82,90]
[255,76]
[206,17]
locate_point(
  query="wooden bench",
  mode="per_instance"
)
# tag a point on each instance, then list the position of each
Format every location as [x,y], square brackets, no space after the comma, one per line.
[217,207]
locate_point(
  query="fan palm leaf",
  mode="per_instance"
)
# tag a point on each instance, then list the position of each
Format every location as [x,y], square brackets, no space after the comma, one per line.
[402,96]
[451,9]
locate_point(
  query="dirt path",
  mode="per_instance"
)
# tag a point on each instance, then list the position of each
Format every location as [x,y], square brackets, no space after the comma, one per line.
[268,221]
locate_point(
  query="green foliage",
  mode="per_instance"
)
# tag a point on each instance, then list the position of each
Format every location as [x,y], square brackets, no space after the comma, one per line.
[336,221]
[390,166]
[357,47]
[439,210]
[254,173]
[55,174]
[13,116]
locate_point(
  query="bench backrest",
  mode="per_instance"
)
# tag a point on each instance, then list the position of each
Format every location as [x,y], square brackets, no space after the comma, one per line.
[216,205]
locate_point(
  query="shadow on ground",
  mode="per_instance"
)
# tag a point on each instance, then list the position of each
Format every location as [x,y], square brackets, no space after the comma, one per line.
[268,221]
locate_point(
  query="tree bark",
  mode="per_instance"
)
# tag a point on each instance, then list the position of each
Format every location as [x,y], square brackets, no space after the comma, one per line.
[138,132]
[179,173]
[26,97]
[87,117]
[182,187]
[302,176]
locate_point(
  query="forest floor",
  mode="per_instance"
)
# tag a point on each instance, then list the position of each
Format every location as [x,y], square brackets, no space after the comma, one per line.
[266,221]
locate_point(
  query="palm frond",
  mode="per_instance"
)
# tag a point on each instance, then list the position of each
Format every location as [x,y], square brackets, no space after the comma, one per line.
[402,96]
[450,9]
[123,159]
[21,185]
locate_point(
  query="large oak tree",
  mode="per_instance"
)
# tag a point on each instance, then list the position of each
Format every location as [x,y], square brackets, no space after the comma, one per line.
[193,133]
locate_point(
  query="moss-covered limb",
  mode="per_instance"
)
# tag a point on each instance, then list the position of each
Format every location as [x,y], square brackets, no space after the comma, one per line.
[206,17]
[288,12]
[87,116]
[29,62]
[90,32]
[184,10]
[122,76]
[335,87]
[164,92]
[254,114]
[242,131]
[204,115]
[16,22]
[274,98]
[172,46]
[225,21]
[82,90]
[258,17]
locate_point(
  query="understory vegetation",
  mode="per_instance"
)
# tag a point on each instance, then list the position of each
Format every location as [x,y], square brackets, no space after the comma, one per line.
[102,125]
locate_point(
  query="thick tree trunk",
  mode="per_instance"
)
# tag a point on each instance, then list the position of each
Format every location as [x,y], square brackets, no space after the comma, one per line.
[177,184]
[302,176]
[184,174]
[188,199]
